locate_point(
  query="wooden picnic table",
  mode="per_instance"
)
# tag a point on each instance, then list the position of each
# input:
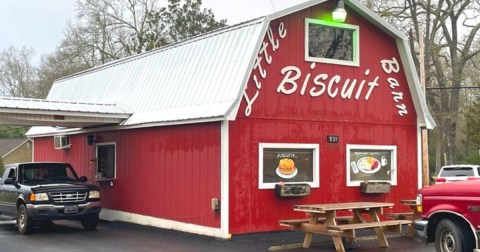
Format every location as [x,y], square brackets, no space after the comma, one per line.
[331,226]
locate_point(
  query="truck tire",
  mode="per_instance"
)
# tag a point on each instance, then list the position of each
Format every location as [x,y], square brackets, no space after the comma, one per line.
[452,236]
[90,223]
[25,224]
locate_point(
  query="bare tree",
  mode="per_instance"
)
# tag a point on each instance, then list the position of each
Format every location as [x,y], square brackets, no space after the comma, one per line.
[450,29]
[106,30]
[454,51]
[54,66]
[17,74]
[111,29]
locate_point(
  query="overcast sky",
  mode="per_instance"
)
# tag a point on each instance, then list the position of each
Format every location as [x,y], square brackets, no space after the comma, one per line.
[40,24]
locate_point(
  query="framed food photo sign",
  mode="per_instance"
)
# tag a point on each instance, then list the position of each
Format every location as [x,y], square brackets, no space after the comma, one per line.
[288,163]
[371,163]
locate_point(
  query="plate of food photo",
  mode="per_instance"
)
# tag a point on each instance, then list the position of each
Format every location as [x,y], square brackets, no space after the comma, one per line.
[368,165]
[286,168]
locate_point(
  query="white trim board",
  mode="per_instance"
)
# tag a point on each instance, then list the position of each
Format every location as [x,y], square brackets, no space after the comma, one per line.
[115,215]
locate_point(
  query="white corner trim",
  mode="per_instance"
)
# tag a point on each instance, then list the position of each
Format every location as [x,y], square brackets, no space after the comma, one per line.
[115,215]
[419,159]
[224,179]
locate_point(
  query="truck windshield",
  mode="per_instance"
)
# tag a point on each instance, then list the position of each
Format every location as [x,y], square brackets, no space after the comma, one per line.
[46,172]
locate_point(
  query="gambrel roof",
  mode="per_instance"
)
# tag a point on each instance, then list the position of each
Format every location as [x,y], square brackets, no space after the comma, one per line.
[196,80]
[199,78]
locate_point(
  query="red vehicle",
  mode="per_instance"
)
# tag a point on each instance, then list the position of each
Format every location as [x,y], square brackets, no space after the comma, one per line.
[450,215]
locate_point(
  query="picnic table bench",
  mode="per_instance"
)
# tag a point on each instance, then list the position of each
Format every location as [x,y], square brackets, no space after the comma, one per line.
[412,215]
[323,220]
[294,222]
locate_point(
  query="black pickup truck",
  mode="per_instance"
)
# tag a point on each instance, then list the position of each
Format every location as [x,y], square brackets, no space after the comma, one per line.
[35,193]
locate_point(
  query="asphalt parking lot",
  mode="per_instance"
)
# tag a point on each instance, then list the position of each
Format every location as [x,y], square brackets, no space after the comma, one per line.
[69,236]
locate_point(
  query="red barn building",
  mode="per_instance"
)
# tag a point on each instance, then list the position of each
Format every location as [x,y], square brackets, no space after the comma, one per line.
[196,135]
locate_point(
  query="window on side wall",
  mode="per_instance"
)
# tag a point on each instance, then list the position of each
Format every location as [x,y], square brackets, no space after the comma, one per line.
[106,156]
[331,42]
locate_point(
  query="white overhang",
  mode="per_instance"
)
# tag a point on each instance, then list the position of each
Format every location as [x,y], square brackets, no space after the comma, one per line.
[38,112]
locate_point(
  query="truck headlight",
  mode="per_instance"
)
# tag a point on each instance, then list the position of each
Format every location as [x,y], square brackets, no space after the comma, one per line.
[419,200]
[39,197]
[94,194]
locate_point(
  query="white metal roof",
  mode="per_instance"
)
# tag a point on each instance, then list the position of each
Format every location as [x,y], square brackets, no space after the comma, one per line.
[198,78]
[7,103]
[26,111]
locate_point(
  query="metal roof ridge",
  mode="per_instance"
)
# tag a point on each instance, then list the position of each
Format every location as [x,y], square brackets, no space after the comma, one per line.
[294,8]
[359,8]
[374,18]
[162,49]
[33,104]
[55,101]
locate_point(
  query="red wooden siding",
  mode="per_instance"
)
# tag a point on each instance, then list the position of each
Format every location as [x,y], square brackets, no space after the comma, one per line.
[280,118]
[375,46]
[252,209]
[166,172]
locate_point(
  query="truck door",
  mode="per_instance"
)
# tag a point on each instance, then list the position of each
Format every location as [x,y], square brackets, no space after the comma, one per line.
[5,190]
[9,194]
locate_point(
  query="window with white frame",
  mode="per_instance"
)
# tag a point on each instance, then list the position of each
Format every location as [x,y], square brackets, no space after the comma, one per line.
[331,42]
[371,163]
[106,161]
[288,163]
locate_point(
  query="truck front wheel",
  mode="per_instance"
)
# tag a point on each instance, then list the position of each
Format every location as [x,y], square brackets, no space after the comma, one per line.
[24,222]
[90,223]
[452,237]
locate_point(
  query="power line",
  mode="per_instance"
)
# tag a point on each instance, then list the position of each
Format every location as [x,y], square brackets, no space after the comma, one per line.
[447,88]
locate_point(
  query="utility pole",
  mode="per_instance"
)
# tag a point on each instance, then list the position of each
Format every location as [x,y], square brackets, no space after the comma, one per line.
[424,131]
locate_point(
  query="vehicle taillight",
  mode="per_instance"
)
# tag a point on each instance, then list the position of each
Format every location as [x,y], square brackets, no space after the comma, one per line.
[440,180]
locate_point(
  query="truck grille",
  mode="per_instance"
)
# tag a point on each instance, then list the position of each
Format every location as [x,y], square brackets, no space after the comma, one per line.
[69,196]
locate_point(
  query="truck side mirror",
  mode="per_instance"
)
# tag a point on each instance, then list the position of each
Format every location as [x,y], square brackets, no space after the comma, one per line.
[12,181]
[83,179]
[8,181]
